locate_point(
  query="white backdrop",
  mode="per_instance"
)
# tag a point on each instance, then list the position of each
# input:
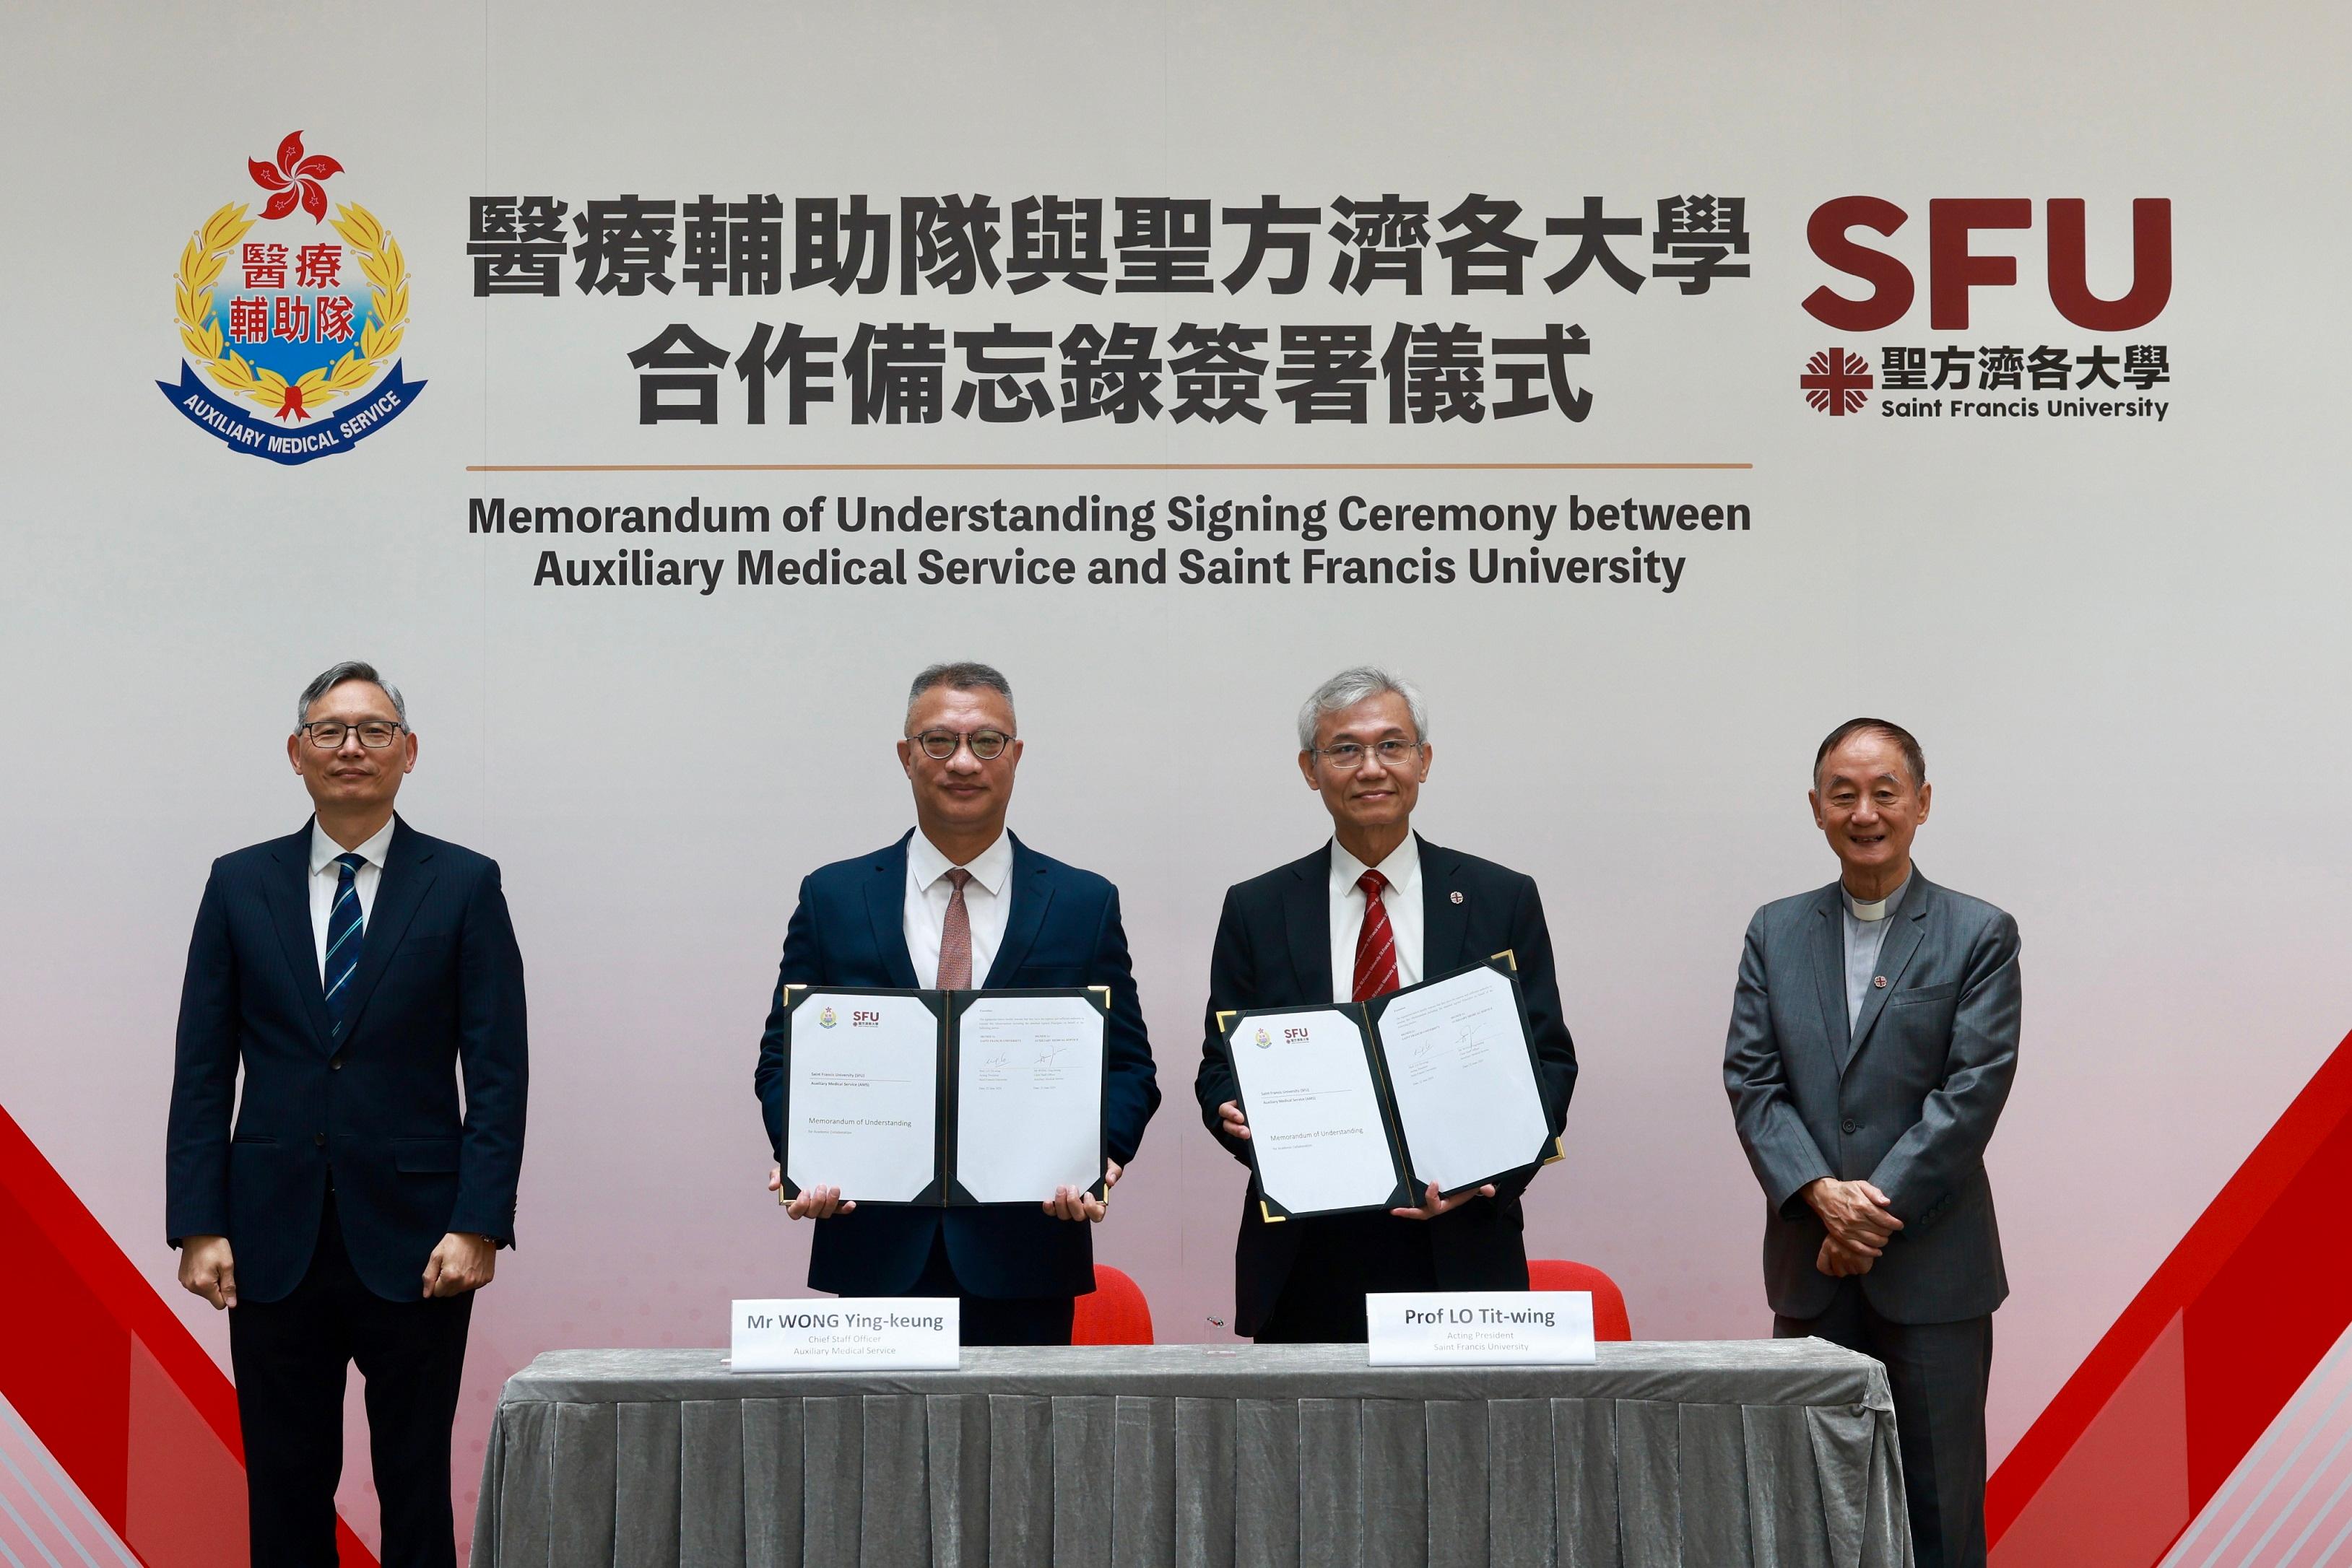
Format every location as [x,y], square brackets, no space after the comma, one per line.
[2122,643]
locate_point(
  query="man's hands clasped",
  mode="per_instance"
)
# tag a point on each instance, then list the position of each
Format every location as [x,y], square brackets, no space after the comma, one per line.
[1860,1220]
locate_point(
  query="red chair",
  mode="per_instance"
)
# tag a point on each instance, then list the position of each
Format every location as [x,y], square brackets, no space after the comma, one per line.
[1609,1320]
[1116,1312]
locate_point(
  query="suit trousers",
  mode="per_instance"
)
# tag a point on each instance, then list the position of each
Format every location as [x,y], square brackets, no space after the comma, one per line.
[290,1357]
[1939,1372]
[1339,1258]
[1029,1320]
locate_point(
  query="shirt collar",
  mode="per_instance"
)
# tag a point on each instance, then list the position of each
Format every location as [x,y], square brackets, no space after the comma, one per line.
[1885,907]
[324,850]
[991,868]
[1402,868]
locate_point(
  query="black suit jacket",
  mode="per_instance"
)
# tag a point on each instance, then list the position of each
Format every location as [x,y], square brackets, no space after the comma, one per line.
[1273,949]
[1063,930]
[438,990]
[1906,1098]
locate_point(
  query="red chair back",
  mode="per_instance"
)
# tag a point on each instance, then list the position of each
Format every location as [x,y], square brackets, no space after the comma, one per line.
[1609,1320]
[1116,1313]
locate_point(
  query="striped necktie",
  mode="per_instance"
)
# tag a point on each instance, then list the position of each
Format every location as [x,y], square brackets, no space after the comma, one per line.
[1376,959]
[343,937]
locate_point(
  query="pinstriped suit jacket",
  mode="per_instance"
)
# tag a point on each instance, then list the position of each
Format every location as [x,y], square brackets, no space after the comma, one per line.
[438,990]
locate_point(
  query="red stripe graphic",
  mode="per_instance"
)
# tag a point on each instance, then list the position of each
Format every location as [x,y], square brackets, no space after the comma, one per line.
[114,1385]
[2203,1361]
[2143,1434]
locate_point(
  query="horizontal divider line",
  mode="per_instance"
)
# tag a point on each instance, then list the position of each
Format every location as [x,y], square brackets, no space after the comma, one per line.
[1056,467]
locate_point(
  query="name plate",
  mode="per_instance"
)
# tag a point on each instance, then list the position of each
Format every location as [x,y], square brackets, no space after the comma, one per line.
[847,1334]
[1481,1328]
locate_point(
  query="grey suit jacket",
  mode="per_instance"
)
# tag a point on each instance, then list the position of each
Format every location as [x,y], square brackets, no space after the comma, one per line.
[1907,1099]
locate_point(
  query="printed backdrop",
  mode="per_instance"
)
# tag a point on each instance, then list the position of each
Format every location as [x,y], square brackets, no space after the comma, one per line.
[1657,391]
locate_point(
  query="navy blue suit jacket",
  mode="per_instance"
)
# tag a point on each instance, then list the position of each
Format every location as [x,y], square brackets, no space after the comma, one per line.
[1063,930]
[438,990]
[1273,950]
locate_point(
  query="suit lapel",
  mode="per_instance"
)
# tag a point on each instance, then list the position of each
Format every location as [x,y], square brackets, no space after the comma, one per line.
[407,872]
[289,911]
[1444,917]
[885,909]
[1032,891]
[1306,917]
[1829,974]
[1902,943]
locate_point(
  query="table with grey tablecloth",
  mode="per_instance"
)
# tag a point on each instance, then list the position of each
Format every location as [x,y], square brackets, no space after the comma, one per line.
[1715,1455]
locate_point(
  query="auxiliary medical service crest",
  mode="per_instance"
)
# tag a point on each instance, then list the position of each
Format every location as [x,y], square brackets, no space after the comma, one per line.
[291,321]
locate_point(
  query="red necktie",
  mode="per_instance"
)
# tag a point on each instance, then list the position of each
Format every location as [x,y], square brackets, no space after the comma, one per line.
[1376,964]
[955,937]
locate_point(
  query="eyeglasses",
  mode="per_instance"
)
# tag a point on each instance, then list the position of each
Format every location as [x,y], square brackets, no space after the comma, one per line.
[328,733]
[1348,756]
[940,744]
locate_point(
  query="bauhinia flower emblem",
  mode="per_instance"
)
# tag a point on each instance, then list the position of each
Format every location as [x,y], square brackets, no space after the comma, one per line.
[294,179]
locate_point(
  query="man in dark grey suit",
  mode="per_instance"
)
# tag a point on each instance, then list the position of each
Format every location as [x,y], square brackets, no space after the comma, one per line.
[1873,1035]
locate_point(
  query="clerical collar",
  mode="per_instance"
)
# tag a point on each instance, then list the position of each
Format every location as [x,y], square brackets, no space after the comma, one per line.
[1877,911]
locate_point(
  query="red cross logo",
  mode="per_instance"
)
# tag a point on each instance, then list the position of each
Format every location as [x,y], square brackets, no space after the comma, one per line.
[1837,382]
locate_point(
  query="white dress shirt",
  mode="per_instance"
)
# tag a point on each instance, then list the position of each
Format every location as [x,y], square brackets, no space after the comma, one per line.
[326,877]
[1863,941]
[987,900]
[1400,898]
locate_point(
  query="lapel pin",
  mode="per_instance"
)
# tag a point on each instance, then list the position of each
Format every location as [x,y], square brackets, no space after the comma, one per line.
[1880,981]
[1458,896]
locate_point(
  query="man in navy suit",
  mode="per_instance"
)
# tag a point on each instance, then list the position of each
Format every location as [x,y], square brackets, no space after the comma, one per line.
[956,904]
[1375,909]
[351,970]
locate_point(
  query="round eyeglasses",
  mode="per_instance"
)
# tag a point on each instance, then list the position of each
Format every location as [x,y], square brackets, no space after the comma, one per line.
[940,744]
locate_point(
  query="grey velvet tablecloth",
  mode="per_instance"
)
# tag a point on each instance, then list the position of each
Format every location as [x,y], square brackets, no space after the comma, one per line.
[1716,1454]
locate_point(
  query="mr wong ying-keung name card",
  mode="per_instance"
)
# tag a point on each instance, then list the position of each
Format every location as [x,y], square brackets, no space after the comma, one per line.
[847,1334]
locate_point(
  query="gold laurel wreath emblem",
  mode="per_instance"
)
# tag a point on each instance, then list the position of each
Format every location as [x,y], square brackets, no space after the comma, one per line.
[380,263]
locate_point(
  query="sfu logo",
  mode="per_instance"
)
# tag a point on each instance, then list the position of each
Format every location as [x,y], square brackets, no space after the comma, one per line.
[860,1018]
[1954,268]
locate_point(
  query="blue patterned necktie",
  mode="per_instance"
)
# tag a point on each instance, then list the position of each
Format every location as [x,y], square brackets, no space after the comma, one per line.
[343,937]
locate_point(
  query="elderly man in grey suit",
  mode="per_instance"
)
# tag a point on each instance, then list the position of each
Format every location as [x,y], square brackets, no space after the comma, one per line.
[1874,1034]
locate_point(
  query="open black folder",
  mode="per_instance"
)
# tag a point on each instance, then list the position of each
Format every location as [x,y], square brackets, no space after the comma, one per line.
[944,1098]
[1362,1105]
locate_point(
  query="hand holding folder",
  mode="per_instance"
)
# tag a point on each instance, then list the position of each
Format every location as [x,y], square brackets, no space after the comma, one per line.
[945,1098]
[1406,1102]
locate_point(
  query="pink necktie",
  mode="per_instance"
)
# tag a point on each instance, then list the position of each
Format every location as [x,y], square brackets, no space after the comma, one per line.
[955,938]
[1376,964]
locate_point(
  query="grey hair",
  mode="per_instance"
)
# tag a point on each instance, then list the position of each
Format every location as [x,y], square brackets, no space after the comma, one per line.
[961,676]
[334,675]
[1914,760]
[1348,689]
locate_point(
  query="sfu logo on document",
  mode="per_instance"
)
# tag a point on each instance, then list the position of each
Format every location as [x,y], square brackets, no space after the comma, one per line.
[1980,370]
[290,321]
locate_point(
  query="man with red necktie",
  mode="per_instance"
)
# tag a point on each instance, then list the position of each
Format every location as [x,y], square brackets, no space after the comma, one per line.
[1376,909]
